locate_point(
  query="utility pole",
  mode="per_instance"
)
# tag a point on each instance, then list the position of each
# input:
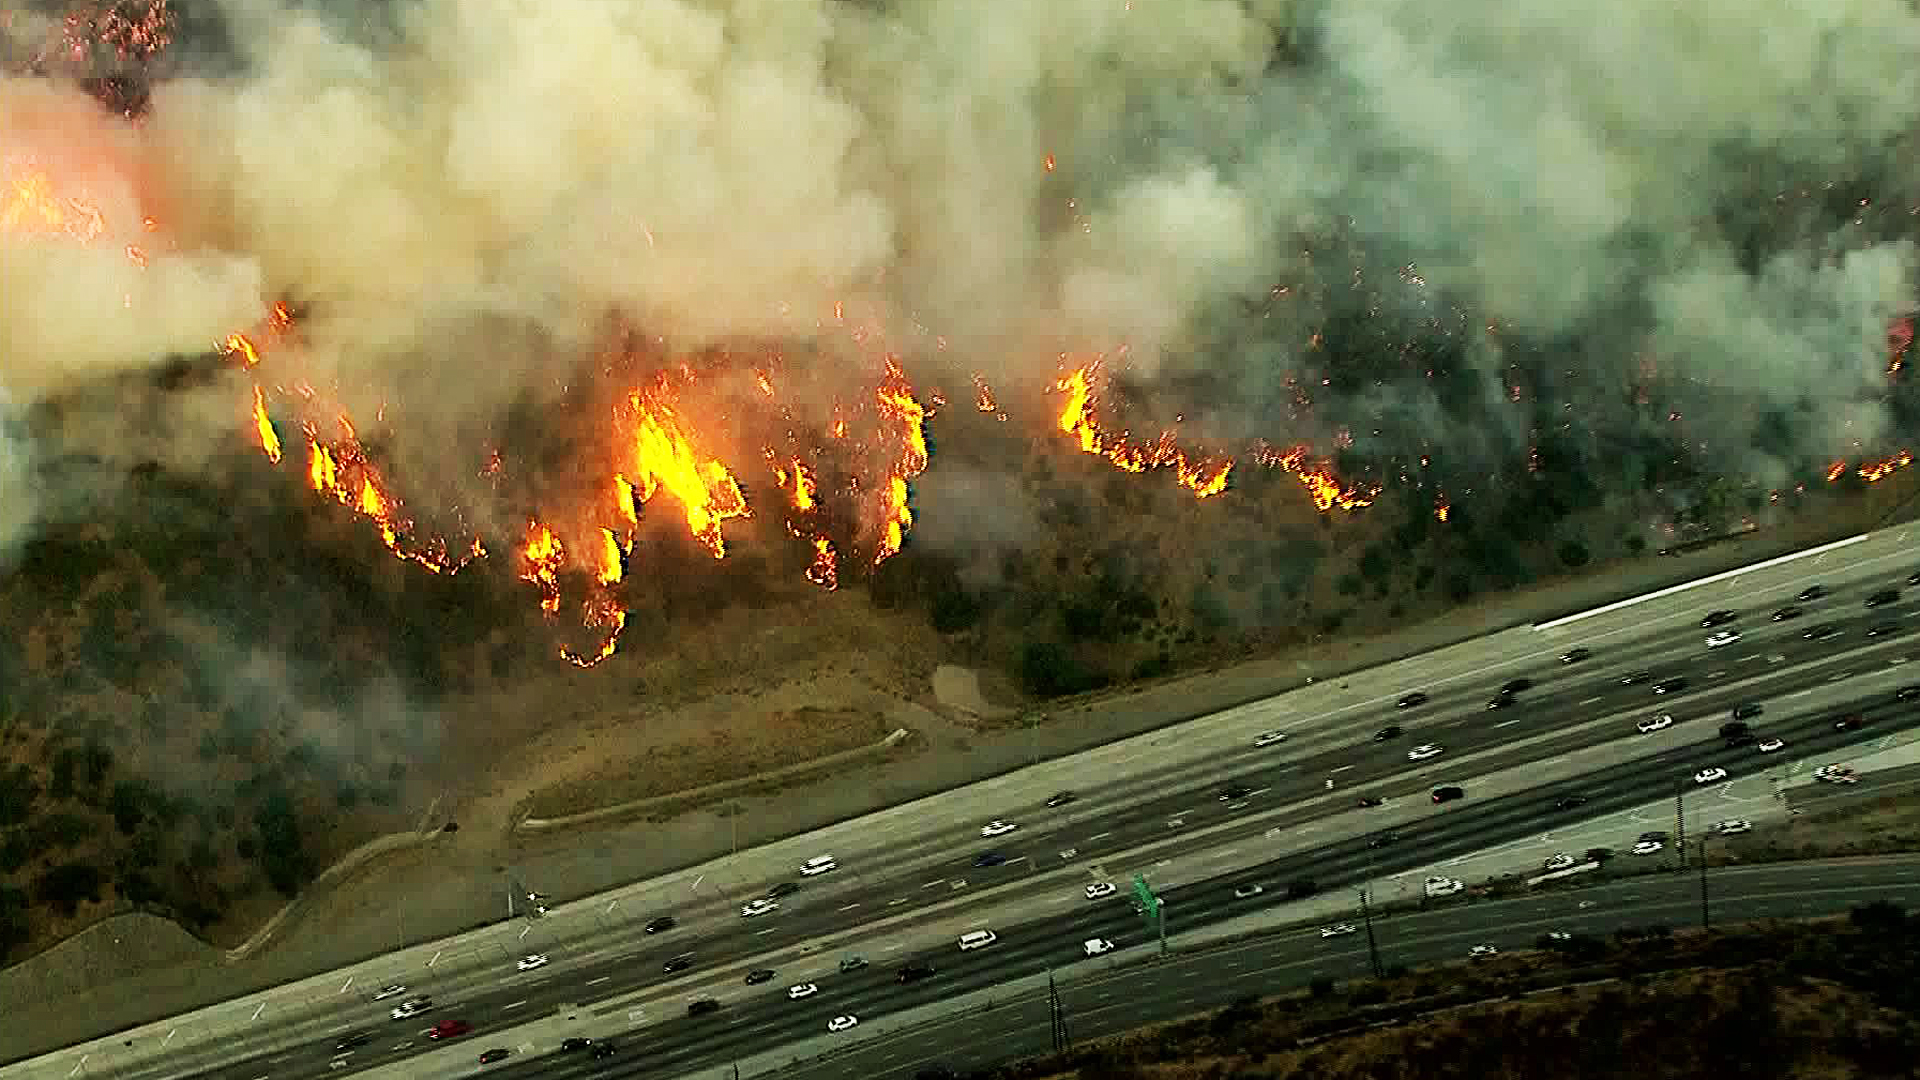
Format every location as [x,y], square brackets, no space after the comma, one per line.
[1680,820]
[1706,919]
[1373,949]
[1056,1015]
[1160,916]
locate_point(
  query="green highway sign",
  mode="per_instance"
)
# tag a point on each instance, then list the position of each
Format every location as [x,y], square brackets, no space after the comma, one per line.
[1143,897]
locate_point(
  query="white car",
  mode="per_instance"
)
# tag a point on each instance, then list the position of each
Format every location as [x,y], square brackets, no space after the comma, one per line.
[1444,886]
[1337,929]
[976,939]
[531,961]
[997,828]
[758,906]
[817,865]
[1096,946]
[1100,890]
[410,1008]
[1834,774]
[1724,637]
[1708,776]
[1479,951]
[842,1023]
[1733,826]
[1647,847]
[1655,723]
[1562,861]
[1425,751]
[1768,746]
[1269,738]
[804,990]
[391,990]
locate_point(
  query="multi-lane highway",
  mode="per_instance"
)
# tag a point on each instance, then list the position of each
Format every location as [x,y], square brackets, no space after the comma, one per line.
[1159,810]
[1153,808]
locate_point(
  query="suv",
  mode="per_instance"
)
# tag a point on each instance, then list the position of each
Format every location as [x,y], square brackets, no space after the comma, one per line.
[1448,794]
[1883,598]
[852,964]
[914,972]
[352,1041]
[702,1007]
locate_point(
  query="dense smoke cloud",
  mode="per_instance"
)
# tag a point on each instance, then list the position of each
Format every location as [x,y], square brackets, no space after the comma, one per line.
[1019,178]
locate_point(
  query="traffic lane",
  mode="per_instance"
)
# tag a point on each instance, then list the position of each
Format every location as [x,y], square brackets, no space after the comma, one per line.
[1133,998]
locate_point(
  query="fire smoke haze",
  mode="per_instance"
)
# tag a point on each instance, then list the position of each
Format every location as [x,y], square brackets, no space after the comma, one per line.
[464,189]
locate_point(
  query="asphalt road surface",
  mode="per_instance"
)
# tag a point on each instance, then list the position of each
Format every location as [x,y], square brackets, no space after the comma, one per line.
[1139,994]
[1773,663]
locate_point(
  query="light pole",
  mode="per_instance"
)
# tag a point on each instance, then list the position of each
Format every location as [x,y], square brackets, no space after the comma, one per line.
[1373,949]
[1706,918]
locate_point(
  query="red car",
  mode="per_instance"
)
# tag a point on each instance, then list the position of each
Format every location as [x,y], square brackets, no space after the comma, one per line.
[447,1029]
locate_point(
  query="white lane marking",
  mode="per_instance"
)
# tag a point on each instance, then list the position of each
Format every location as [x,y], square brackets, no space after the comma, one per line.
[170,1036]
[1896,661]
[1776,659]
[1885,742]
[524,930]
[1263,791]
[434,960]
[851,906]
[1098,836]
[610,904]
[1590,701]
[1229,851]
[1176,823]
[1716,674]
[896,903]
[598,981]
[768,930]
[934,884]
[1163,862]
[695,887]
[1837,678]
[1726,575]
[1506,723]
[1341,769]
[1800,693]
[346,985]
[1180,813]
[514,1005]
[634,1016]
[258,1011]
[81,1064]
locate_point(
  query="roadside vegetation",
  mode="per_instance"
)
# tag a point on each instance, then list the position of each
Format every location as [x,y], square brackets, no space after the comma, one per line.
[1827,998]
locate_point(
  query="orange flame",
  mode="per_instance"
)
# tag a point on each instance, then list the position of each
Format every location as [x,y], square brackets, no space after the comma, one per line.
[269,439]
[983,398]
[665,458]
[1835,471]
[609,615]
[1879,470]
[1205,477]
[612,559]
[1323,487]
[894,396]
[544,556]
[825,571]
[31,205]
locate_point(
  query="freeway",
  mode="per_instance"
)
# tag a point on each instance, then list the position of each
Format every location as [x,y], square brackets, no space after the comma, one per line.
[1570,707]
[1130,997]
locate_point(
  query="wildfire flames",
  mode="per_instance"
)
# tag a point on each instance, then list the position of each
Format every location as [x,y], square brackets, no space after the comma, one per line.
[1872,471]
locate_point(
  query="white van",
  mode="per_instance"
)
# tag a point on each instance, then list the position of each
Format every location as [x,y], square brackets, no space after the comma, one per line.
[1096,946]
[976,939]
[818,865]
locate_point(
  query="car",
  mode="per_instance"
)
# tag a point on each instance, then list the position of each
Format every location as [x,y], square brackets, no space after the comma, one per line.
[1717,618]
[1733,826]
[1559,862]
[1785,613]
[1096,946]
[759,975]
[390,990]
[603,1050]
[1834,774]
[1747,710]
[1654,723]
[819,864]
[1234,792]
[1882,629]
[1100,890]
[352,1041]
[498,1053]
[1337,929]
[1558,935]
[1380,840]
[1411,700]
[1444,886]
[678,963]
[1849,722]
[1735,729]
[851,964]
[759,905]
[1425,751]
[802,990]
[662,923]
[1514,686]
[997,827]
[1061,798]
[1448,794]
[1479,951]
[1647,847]
[1811,593]
[531,962]
[1390,732]
[913,972]
[702,1006]
[1656,834]
[1502,700]
[976,939]
[578,1042]
[1242,892]
[1768,746]
[1745,738]
[1574,656]
[1568,802]
[447,1029]
[843,1023]
[784,889]
[1907,693]
[411,1007]
[1913,578]
[989,858]
[1722,638]
[1709,775]
[1822,632]
[1367,802]
[1301,889]
[1670,686]
[1883,598]
[1635,678]
[1269,738]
